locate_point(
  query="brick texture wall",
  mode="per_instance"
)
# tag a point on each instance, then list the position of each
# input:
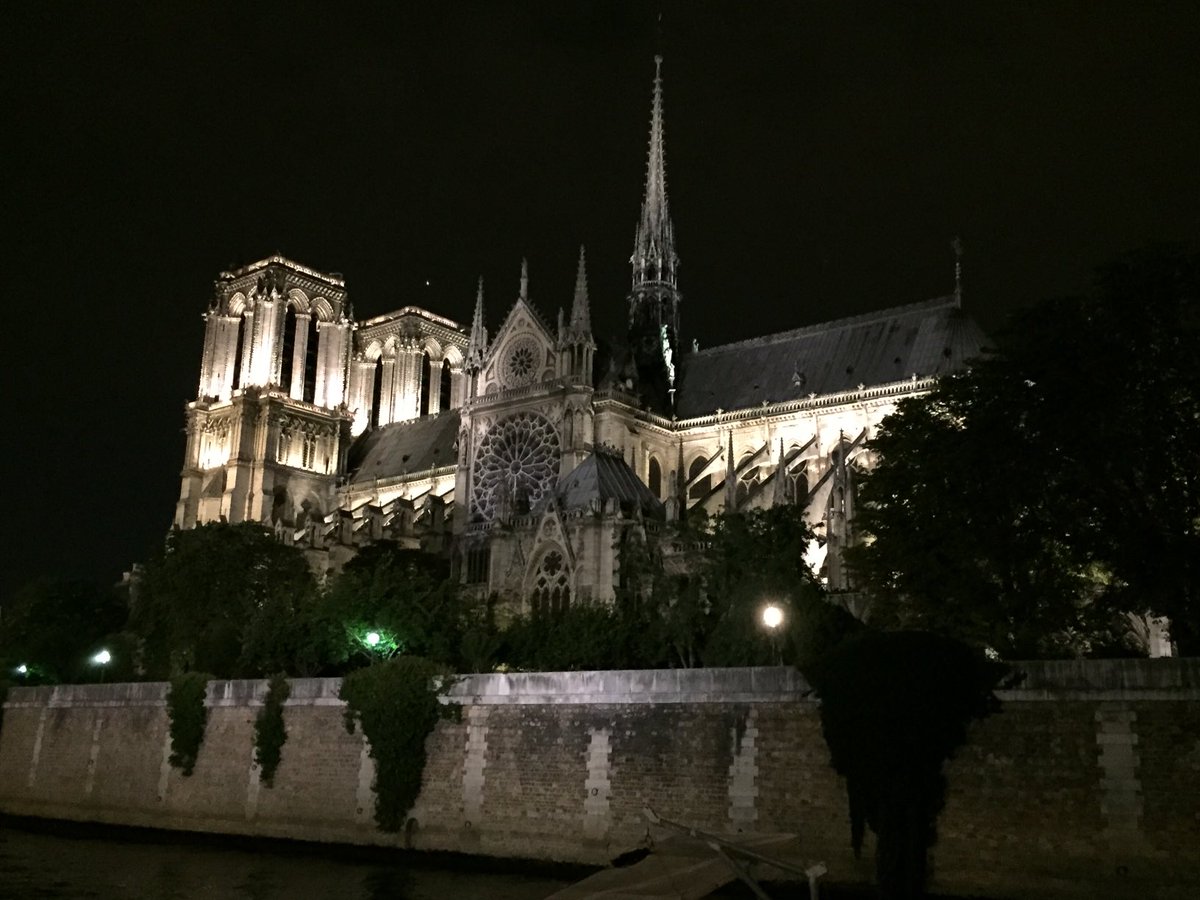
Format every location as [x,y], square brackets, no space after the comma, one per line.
[1087,784]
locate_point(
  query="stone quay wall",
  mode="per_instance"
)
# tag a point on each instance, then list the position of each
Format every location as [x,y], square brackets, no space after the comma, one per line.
[1087,784]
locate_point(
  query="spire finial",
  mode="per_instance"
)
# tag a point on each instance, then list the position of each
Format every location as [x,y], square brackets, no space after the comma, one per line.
[581,317]
[477,343]
[524,279]
[730,479]
[654,246]
[958,254]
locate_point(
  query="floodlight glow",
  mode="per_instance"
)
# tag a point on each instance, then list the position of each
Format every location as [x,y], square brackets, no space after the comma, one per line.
[373,638]
[103,658]
[772,616]
[22,669]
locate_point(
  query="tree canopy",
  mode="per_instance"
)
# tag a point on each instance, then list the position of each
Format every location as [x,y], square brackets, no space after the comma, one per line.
[225,599]
[1029,502]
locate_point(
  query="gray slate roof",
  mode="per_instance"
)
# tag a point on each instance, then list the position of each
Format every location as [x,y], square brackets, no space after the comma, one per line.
[428,443]
[929,338]
[606,476]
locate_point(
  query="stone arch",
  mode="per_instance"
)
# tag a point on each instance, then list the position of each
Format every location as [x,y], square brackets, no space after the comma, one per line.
[373,351]
[237,304]
[299,301]
[453,355]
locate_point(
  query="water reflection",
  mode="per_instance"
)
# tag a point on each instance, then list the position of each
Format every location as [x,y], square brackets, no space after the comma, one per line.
[43,865]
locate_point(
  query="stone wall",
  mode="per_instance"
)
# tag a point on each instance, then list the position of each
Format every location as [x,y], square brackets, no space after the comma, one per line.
[1087,783]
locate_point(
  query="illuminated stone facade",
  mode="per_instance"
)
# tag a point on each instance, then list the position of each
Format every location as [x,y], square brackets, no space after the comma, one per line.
[533,455]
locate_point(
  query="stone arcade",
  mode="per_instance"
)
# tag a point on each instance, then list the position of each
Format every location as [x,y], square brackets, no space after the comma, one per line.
[530,453]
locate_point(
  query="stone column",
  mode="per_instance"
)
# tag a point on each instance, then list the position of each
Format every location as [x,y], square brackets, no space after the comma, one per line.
[457,387]
[387,393]
[299,355]
[435,385]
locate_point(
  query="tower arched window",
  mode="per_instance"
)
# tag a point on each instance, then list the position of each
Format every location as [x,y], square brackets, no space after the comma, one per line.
[447,385]
[237,352]
[654,478]
[426,373]
[288,352]
[311,349]
[377,391]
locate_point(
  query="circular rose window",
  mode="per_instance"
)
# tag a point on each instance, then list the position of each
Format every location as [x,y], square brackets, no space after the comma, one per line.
[521,361]
[515,466]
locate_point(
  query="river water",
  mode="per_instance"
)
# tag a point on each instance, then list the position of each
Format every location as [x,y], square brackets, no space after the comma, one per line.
[52,862]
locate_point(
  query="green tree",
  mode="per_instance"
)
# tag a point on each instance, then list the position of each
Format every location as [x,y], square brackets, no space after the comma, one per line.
[53,626]
[1027,503]
[225,599]
[406,597]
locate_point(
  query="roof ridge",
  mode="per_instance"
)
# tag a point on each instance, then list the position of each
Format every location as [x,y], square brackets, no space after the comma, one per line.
[831,324]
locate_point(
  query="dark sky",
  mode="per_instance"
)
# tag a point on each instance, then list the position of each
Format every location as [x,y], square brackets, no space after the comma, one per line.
[820,158]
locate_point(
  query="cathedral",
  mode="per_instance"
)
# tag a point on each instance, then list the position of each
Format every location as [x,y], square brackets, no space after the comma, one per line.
[530,453]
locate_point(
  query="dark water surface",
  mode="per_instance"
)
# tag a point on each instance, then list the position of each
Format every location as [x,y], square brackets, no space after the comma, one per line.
[48,862]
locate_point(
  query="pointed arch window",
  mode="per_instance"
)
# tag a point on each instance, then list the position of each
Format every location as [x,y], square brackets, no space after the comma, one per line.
[551,594]
[700,489]
[654,478]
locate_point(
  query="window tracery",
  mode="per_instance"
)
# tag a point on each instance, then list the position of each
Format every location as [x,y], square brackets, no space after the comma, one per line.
[515,467]
[551,594]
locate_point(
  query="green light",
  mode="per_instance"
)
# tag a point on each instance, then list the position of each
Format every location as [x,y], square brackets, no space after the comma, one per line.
[373,638]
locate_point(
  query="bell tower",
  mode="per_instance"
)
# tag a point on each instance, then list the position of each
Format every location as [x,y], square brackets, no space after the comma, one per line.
[268,431]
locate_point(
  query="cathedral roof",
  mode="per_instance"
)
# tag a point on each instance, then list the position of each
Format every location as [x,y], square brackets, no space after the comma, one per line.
[403,448]
[933,337]
[604,475]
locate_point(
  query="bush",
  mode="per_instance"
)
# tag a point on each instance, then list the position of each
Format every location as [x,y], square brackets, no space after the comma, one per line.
[894,707]
[396,704]
[270,734]
[185,706]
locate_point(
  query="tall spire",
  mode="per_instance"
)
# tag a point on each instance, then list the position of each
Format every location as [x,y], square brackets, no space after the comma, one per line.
[524,279]
[581,316]
[654,258]
[730,479]
[477,343]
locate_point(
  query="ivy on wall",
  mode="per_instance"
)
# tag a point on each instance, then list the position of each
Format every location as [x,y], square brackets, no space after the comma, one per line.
[185,706]
[894,707]
[396,704]
[270,734]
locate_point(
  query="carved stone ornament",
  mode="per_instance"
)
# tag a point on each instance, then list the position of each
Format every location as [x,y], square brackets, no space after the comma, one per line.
[515,466]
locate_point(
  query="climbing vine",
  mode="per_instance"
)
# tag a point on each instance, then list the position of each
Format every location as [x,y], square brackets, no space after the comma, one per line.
[894,707]
[396,704]
[270,733]
[185,706]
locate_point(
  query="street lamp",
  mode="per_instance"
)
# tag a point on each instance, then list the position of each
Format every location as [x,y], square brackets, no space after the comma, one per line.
[22,669]
[772,618]
[373,639]
[102,659]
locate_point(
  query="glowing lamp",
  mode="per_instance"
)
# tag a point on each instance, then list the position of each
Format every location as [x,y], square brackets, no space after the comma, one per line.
[103,658]
[373,638]
[772,616]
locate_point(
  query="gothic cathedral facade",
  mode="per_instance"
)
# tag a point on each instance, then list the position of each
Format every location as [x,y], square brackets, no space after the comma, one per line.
[534,454]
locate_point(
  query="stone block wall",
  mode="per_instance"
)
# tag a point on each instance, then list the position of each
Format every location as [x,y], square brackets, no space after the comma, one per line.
[1087,783]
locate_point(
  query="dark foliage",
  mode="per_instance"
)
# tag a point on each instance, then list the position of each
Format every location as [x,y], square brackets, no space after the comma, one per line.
[1030,503]
[189,716]
[54,626]
[894,707]
[396,704]
[270,733]
[229,599]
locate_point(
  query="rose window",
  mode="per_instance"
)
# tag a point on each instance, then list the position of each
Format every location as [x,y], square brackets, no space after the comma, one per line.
[520,362]
[516,465]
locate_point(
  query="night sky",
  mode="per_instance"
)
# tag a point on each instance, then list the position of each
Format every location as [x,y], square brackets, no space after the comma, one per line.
[820,158]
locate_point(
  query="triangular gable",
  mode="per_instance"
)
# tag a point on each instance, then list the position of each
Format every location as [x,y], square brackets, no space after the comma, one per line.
[523,328]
